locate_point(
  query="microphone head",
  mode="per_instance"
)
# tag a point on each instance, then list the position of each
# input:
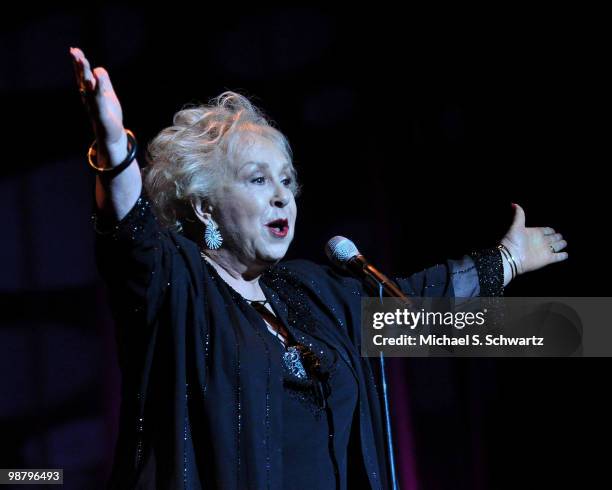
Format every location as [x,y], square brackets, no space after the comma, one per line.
[340,250]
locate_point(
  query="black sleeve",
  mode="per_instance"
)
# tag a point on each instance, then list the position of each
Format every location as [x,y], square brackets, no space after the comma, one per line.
[133,256]
[480,273]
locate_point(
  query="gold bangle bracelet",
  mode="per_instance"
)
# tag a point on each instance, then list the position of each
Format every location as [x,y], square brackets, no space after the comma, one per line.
[132,146]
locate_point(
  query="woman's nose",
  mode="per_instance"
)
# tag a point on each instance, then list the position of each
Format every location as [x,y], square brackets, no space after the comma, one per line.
[281,197]
[280,202]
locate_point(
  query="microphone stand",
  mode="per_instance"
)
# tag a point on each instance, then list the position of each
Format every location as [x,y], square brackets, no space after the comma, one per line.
[383,376]
[376,279]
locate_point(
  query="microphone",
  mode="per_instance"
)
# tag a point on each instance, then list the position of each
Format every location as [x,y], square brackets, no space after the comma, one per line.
[342,252]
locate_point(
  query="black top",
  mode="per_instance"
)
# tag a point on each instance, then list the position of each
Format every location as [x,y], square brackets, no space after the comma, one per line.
[319,399]
[204,395]
[316,435]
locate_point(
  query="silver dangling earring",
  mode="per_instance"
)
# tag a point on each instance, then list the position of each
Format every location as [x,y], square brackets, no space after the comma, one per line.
[212,236]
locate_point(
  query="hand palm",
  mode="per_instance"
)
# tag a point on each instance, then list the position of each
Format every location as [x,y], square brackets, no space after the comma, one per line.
[533,248]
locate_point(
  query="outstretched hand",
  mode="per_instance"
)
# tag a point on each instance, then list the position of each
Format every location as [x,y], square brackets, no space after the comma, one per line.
[533,248]
[100,100]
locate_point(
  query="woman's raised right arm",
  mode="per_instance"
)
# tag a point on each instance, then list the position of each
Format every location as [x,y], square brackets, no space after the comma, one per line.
[116,195]
[133,252]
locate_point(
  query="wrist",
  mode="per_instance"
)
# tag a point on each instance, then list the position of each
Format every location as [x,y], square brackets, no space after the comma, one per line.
[508,272]
[119,155]
[114,153]
[509,257]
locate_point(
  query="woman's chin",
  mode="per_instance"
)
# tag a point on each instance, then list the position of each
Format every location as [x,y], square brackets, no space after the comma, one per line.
[271,257]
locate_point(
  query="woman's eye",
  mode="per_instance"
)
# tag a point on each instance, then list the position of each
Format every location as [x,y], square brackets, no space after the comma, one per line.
[258,180]
[288,181]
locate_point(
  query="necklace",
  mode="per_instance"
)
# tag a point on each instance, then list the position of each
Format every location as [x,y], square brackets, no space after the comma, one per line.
[273,321]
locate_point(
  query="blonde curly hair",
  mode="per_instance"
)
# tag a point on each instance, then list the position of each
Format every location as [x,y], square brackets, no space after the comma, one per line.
[189,158]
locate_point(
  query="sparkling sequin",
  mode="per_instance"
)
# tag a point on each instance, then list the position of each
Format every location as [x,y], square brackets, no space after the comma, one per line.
[266,441]
[185,433]
[320,359]
[307,374]
[139,430]
[293,362]
[131,227]
[490,269]
[238,408]
[139,452]
[310,383]
[139,440]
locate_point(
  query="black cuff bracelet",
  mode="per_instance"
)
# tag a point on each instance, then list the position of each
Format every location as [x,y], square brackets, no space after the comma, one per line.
[112,171]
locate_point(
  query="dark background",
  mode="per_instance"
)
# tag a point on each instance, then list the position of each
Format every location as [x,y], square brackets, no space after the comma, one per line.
[412,132]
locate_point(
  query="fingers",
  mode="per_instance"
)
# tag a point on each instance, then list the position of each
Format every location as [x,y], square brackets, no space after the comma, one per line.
[555,241]
[76,65]
[554,237]
[84,75]
[89,86]
[556,244]
[78,73]
[547,230]
[103,79]
[560,245]
[559,257]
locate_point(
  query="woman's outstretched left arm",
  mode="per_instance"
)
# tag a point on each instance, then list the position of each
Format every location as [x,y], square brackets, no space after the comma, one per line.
[486,272]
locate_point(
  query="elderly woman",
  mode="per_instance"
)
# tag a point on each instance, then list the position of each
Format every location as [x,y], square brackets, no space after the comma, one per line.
[240,371]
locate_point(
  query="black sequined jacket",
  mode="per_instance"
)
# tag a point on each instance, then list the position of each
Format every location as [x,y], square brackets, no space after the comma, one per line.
[200,391]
